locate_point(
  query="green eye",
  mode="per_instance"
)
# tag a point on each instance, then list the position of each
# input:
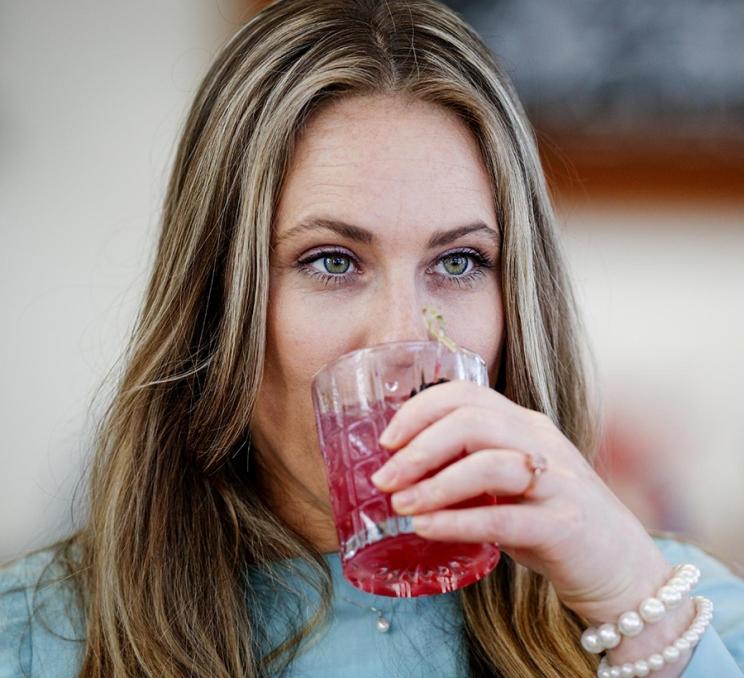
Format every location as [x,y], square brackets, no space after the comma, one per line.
[460,264]
[341,269]
[336,264]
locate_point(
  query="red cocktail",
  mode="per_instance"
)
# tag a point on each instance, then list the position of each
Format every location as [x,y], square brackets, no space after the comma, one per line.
[380,553]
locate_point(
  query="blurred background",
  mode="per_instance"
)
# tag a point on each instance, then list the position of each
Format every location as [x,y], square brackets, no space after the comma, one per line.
[639,112]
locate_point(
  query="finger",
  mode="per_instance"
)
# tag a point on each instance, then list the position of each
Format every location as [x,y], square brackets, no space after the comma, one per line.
[508,525]
[466,429]
[430,405]
[497,472]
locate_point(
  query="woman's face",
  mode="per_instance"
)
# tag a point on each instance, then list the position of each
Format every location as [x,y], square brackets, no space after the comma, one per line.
[366,235]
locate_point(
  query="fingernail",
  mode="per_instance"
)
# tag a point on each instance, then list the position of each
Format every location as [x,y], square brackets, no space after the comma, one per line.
[383,476]
[420,523]
[388,436]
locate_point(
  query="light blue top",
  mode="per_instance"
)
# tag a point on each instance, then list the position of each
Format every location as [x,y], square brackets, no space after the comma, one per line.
[422,641]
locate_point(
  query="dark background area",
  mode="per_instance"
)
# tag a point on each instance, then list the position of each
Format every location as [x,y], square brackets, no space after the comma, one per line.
[627,96]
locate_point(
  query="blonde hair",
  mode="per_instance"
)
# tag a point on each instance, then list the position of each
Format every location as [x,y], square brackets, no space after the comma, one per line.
[175,520]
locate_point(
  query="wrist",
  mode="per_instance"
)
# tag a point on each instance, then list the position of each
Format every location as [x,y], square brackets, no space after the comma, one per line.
[655,575]
[656,636]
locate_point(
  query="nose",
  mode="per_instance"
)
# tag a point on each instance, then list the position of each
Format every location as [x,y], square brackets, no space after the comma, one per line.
[398,316]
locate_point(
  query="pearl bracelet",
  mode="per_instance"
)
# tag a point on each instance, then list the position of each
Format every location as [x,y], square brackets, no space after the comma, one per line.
[608,636]
[670,654]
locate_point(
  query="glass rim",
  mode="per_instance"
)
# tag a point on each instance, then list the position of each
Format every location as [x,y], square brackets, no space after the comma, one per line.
[376,348]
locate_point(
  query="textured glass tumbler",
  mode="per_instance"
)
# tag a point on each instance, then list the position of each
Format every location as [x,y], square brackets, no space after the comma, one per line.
[354,398]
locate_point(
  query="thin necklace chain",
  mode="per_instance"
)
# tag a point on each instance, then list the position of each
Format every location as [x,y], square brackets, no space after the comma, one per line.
[383,624]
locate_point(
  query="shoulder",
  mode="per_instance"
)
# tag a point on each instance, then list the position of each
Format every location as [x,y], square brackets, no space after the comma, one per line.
[716,577]
[41,632]
[719,583]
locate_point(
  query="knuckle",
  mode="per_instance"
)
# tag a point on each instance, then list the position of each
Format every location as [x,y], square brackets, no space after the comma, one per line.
[461,415]
[470,415]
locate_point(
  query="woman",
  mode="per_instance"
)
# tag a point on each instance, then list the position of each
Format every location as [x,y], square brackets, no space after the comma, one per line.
[345,163]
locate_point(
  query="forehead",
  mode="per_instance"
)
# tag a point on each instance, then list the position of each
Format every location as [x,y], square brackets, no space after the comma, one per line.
[386,162]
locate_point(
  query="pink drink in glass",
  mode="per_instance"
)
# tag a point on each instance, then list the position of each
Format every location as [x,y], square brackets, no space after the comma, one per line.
[380,553]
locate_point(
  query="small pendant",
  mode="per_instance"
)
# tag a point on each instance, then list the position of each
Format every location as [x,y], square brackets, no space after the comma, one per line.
[383,625]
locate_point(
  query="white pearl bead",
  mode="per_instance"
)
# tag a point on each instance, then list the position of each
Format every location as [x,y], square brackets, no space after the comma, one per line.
[669,596]
[670,654]
[630,624]
[652,609]
[591,641]
[642,668]
[687,575]
[680,584]
[609,636]
[615,672]
[682,644]
[656,662]
[383,625]
[698,627]
[604,672]
[691,637]
[627,670]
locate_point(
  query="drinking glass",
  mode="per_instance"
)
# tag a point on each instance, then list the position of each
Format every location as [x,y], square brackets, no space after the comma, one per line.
[354,398]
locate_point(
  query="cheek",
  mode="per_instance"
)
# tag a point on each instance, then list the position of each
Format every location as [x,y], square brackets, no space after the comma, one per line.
[302,339]
[496,333]
[478,324]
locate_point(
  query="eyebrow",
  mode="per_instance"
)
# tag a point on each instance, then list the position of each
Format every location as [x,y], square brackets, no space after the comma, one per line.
[362,235]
